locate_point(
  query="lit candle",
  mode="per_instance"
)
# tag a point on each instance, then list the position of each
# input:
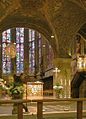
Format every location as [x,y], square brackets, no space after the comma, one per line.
[61,82]
[65,82]
[69,82]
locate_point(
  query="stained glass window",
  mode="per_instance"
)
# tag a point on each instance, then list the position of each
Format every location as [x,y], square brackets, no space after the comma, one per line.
[19,50]
[31,51]
[6,60]
[40,47]
[50,56]
[35,51]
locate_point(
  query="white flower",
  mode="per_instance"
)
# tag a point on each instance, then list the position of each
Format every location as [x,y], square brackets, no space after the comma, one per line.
[1,80]
[57,87]
[54,87]
[60,87]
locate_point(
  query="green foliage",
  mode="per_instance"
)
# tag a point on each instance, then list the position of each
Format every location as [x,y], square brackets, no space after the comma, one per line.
[16,89]
[58,88]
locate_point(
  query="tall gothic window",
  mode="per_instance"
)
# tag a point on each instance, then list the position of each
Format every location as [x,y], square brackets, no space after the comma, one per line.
[31,51]
[40,48]
[19,50]
[34,50]
[50,57]
[6,60]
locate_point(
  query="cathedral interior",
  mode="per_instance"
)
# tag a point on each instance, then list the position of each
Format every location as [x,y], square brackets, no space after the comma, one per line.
[46,41]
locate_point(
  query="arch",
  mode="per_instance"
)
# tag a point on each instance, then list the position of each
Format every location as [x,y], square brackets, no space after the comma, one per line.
[82,30]
[40,26]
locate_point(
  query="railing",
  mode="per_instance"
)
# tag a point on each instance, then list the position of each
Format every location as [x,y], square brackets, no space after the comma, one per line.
[19,103]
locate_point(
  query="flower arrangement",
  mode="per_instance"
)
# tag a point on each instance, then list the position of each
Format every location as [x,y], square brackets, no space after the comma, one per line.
[58,89]
[2,85]
[16,90]
[3,88]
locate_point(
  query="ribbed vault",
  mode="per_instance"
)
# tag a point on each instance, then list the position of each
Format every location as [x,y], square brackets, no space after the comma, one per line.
[61,18]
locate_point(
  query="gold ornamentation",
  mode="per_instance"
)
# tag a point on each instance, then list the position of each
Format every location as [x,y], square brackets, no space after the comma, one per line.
[10,50]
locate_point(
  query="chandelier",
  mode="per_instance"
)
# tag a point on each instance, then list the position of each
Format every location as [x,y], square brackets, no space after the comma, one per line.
[10,50]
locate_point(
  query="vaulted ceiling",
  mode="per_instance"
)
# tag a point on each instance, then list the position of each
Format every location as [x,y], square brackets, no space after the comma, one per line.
[60,18]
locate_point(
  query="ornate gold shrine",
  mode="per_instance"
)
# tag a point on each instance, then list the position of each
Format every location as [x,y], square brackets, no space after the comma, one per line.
[34,89]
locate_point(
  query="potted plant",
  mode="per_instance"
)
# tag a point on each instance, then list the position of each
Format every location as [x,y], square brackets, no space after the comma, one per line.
[58,90]
[16,91]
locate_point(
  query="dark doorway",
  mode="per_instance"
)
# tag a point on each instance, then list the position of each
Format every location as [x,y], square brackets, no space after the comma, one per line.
[76,83]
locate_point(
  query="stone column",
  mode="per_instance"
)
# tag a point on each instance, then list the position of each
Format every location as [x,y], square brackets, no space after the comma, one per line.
[13,40]
[36,52]
[26,51]
[1,55]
